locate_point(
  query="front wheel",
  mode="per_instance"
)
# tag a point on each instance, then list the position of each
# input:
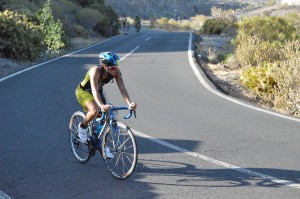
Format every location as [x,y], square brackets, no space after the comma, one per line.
[121,143]
[80,149]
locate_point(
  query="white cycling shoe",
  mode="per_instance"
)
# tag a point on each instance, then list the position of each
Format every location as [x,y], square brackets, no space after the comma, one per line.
[108,154]
[82,133]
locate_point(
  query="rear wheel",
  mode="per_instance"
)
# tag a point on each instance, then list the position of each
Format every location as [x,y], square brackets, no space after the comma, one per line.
[80,149]
[122,145]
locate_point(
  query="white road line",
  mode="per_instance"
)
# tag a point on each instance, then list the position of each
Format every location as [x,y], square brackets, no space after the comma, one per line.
[4,196]
[196,155]
[148,38]
[203,82]
[220,163]
[52,60]
[129,53]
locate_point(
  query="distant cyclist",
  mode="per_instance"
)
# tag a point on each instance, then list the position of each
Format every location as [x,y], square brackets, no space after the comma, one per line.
[124,23]
[137,22]
[89,92]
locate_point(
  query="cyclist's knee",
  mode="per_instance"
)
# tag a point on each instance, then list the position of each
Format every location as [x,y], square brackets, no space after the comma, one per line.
[94,111]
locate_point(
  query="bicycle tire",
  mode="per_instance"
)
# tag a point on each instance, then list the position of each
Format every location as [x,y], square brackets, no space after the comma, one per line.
[123,146]
[80,149]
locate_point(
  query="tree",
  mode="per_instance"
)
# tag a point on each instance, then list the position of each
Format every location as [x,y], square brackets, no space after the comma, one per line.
[52,30]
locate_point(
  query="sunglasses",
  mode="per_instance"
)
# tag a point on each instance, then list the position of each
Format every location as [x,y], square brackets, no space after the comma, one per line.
[112,68]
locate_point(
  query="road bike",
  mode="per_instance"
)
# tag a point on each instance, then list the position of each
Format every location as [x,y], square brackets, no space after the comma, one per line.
[106,132]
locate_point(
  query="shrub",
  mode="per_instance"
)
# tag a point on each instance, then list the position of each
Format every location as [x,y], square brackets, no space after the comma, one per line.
[184,25]
[79,31]
[88,17]
[294,19]
[260,80]
[259,39]
[24,6]
[224,15]
[222,21]
[19,38]
[108,24]
[269,50]
[217,26]
[271,29]
[52,30]
[197,22]
[286,75]
[253,51]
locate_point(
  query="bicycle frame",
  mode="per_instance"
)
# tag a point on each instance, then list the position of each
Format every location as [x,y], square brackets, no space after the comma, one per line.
[109,120]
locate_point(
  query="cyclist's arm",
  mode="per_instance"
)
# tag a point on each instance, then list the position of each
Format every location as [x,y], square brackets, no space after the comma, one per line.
[94,74]
[123,89]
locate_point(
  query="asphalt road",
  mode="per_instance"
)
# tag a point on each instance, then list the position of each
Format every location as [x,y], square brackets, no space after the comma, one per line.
[192,143]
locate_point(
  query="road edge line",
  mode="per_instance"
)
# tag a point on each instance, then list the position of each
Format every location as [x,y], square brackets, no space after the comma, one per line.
[49,61]
[209,88]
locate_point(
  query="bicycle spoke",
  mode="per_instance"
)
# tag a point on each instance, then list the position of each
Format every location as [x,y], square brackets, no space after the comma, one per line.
[117,160]
[124,161]
[124,142]
[125,148]
[129,160]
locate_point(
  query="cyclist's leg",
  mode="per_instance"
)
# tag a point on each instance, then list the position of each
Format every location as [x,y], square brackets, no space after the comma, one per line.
[87,101]
[93,110]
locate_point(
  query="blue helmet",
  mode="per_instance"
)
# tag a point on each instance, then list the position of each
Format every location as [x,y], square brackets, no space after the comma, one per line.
[109,58]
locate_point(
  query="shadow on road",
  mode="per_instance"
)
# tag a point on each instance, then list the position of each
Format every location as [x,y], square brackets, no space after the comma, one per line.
[189,175]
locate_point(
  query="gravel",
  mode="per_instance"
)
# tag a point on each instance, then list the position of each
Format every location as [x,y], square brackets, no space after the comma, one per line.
[9,66]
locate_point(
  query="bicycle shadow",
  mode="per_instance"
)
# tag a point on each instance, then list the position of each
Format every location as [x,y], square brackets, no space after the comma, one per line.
[188,175]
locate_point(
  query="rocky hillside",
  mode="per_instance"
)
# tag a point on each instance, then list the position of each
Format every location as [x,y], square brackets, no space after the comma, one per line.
[183,9]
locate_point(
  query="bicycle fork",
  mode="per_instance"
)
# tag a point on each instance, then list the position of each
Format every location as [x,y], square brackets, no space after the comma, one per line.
[115,134]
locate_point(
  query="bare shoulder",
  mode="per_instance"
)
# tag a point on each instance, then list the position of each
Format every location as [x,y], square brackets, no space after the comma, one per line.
[94,71]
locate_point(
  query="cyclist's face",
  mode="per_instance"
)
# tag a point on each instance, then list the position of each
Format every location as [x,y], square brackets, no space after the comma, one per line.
[111,69]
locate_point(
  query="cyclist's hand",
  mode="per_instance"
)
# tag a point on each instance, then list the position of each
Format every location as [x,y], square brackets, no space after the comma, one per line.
[105,107]
[133,105]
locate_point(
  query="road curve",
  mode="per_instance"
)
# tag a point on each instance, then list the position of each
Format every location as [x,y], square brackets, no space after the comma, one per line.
[173,107]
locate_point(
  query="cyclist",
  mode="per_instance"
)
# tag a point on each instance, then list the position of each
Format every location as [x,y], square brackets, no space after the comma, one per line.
[137,22]
[89,92]
[124,23]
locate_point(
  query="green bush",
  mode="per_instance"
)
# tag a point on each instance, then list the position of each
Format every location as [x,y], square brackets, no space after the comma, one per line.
[268,48]
[212,26]
[294,19]
[51,25]
[79,31]
[216,26]
[271,29]
[52,30]
[259,80]
[88,17]
[19,38]
[260,39]
[108,24]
